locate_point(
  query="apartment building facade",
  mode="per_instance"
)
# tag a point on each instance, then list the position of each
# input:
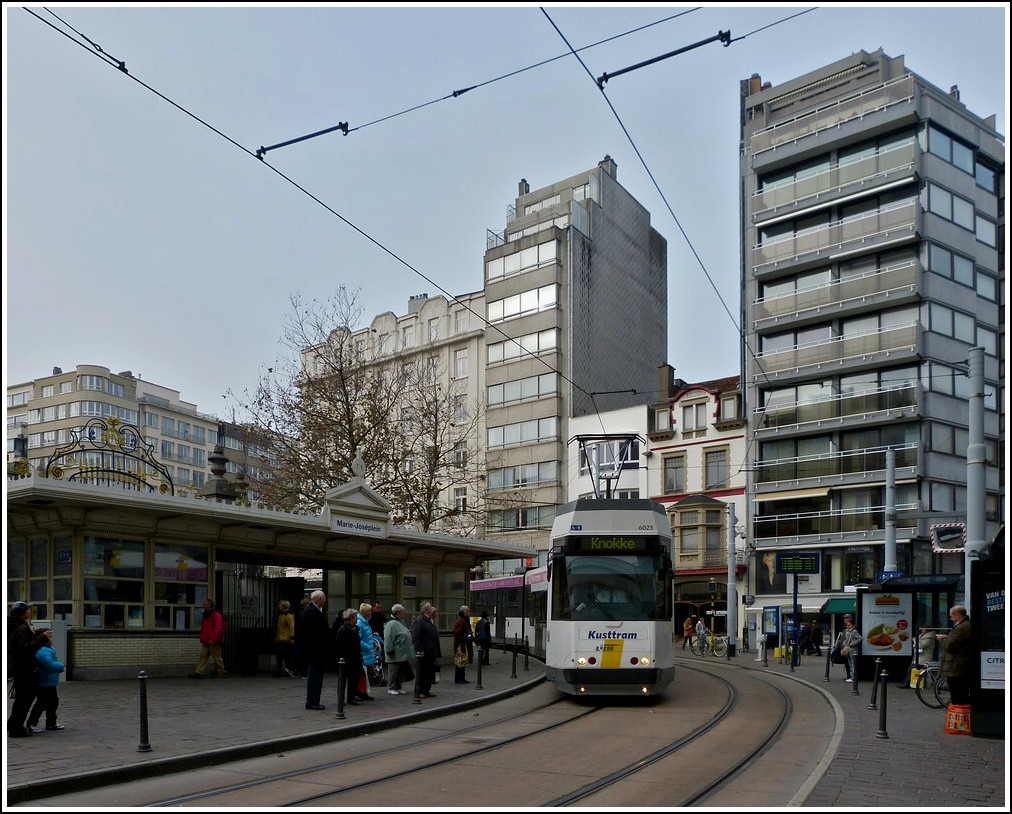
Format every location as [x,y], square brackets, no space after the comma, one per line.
[546,339]
[42,415]
[872,207]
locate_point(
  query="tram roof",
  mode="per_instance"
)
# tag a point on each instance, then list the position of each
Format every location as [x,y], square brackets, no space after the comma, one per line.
[354,525]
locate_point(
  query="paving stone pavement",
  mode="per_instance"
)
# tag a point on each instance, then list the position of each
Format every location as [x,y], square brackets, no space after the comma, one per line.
[192,723]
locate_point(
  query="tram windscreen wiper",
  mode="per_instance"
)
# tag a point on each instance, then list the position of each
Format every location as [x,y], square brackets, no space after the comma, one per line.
[593,598]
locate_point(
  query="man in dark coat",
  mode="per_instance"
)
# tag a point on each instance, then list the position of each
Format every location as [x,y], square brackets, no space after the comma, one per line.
[22,645]
[956,652]
[347,643]
[425,639]
[316,646]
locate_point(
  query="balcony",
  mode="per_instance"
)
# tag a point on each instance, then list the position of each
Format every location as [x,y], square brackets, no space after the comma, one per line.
[887,283]
[880,169]
[803,415]
[836,525]
[871,460]
[837,350]
[832,115]
[867,232]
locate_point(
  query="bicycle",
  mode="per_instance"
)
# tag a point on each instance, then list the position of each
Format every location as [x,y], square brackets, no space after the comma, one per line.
[932,689]
[714,644]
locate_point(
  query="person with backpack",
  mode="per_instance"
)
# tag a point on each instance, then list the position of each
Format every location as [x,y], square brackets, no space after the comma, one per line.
[47,676]
[212,634]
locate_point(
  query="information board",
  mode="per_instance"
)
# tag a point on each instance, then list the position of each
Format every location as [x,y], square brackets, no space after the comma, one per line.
[800,562]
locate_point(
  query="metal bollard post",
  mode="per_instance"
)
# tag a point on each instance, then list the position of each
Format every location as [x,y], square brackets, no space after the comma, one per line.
[144,746]
[342,685]
[882,712]
[874,684]
[527,651]
[853,675]
[417,662]
[766,655]
[515,646]
[829,664]
[481,657]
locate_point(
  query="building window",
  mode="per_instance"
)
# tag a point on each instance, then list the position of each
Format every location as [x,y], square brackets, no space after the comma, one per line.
[529,344]
[674,474]
[65,387]
[716,468]
[47,391]
[434,329]
[460,499]
[526,302]
[662,420]
[113,583]
[460,408]
[693,420]
[460,363]
[431,369]
[460,321]
[181,576]
[460,455]
[408,336]
[168,426]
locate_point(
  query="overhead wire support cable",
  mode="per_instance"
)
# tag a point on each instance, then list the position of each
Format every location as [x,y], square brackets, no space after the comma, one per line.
[342,126]
[723,36]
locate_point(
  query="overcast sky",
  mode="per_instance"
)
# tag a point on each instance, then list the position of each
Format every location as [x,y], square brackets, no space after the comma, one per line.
[142,233]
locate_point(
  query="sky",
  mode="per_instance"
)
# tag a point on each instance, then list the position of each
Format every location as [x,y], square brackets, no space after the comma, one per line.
[143,233]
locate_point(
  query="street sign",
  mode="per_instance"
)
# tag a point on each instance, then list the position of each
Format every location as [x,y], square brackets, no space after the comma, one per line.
[884,575]
[748,600]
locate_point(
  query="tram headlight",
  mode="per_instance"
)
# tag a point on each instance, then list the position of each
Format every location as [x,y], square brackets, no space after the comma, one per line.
[582,661]
[644,660]
[636,660]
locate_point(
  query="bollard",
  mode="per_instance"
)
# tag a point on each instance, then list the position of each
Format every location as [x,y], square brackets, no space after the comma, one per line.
[766,658]
[417,663]
[874,684]
[853,675]
[527,650]
[515,646]
[829,664]
[144,746]
[882,712]
[342,685]
[481,658]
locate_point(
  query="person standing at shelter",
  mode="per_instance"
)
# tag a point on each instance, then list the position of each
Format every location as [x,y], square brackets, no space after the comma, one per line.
[425,640]
[483,637]
[348,646]
[212,634]
[701,636]
[378,622]
[284,640]
[463,642]
[687,628]
[22,645]
[301,668]
[47,677]
[397,643]
[317,646]
[368,660]
[956,654]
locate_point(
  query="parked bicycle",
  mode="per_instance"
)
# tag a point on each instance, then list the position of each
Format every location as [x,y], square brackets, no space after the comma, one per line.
[713,644]
[932,689]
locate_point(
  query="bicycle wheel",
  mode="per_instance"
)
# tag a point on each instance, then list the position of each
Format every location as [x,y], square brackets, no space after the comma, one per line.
[692,646]
[942,694]
[719,647]
[925,689]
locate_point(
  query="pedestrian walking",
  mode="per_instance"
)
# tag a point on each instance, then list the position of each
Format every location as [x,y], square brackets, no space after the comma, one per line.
[212,634]
[284,640]
[317,647]
[47,700]
[397,643]
[22,644]
[425,640]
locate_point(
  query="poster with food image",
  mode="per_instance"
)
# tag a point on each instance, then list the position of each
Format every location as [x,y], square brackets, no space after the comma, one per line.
[886,625]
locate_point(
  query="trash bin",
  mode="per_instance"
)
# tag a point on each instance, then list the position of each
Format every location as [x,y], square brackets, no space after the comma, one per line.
[957,719]
[915,676]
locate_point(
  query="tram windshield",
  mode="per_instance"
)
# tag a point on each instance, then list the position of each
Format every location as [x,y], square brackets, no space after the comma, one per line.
[613,588]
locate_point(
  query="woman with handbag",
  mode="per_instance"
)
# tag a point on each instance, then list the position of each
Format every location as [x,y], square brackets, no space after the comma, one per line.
[849,642]
[463,644]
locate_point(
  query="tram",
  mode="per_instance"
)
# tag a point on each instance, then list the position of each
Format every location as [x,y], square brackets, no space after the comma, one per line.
[517,608]
[610,627]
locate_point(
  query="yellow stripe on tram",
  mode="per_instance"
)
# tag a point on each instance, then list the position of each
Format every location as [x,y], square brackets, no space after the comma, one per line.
[612,655]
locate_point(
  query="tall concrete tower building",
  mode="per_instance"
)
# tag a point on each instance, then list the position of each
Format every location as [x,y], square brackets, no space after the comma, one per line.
[576,301]
[873,230]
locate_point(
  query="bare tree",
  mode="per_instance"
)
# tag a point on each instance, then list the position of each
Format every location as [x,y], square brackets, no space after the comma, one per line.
[330,399]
